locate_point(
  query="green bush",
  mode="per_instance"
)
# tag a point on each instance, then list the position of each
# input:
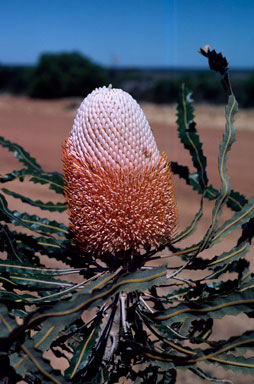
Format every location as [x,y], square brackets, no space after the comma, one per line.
[65,74]
[165,91]
[15,79]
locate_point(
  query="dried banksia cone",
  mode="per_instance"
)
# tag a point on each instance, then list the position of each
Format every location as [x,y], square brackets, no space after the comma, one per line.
[119,188]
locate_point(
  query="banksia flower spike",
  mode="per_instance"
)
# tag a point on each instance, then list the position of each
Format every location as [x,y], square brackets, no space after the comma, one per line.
[119,188]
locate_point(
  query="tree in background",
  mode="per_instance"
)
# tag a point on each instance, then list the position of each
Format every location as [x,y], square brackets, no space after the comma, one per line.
[65,74]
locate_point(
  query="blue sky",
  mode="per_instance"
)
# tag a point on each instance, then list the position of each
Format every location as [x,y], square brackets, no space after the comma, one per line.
[128,32]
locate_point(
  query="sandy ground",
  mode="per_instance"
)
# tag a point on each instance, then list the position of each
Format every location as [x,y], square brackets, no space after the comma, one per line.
[41,126]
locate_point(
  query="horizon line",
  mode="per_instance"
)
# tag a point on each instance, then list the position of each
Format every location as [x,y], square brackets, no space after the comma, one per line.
[163,68]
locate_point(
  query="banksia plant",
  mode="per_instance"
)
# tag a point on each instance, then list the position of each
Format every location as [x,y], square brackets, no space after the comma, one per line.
[119,188]
[121,317]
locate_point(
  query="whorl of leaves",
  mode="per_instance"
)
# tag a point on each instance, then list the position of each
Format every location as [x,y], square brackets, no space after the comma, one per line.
[110,322]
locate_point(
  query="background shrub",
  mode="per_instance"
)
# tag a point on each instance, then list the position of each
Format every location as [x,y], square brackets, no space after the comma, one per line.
[65,74]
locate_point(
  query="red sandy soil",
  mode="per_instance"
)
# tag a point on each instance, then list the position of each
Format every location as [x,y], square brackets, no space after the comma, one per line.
[41,126]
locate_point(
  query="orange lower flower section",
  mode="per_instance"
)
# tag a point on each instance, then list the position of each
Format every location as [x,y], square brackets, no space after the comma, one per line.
[114,211]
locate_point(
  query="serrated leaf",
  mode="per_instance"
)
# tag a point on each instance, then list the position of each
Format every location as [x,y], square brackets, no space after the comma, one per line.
[53,179]
[59,249]
[6,296]
[181,170]
[169,377]
[22,247]
[229,257]
[26,269]
[155,358]
[247,231]
[217,62]
[177,293]
[101,377]
[240,344]
[235,201]
[43,339]
[38,282]
[8,244]
[32,222]
[49,206]
[228,139]
[204,375]
[44,245]
[7,324]
[23,156]
[18,312]
[19,363]
[238,364]
[99,291]
[237,220]
[231,304]
[83,353]
[34,278]
[188,134]
[192,227]
[35,363]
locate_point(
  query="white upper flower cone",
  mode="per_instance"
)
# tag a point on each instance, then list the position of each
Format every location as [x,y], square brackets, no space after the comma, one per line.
[111,130]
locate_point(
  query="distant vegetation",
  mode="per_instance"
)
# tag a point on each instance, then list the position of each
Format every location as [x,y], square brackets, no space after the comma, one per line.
[71,74]
[55,76]
[63,75]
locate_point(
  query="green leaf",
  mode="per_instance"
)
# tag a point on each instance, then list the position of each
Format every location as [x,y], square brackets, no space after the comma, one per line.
[238,364]
[10,296]
[83,353]
[19,363]
[240,344]
[44,338]
[98,292]
[229,257]
[235,201]
[32,222]
[219,307]
[200,373]
[228,139]
[49,206]
[101,377]
[37,282]
[26,269]
[20,154]
[192,227]
[237,220]
[175,295]
[7,324]
[55,248]
[8,244]
[169,377]
[60,249]
[50,246]
[53,179]
[181,170]
[188,134]
[32,361]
